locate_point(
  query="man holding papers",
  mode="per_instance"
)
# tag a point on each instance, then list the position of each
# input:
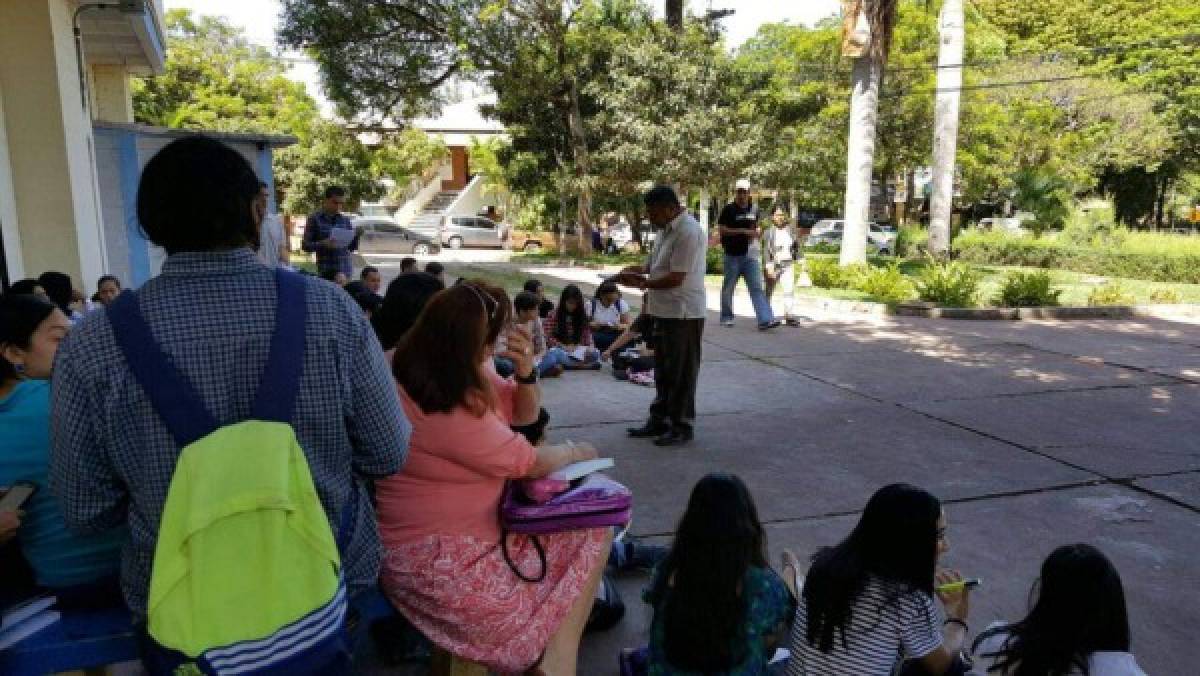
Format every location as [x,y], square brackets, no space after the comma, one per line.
[331,235]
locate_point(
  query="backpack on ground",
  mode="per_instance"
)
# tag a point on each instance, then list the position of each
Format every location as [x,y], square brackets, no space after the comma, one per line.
[246,577]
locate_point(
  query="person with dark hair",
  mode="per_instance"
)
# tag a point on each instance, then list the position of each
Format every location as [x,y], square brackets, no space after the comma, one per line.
[77,567]
[778,243]
[436,269]
[212,314]
[608,315]
[445,568]
[738,225]
[369,302]
[545,306]
[1078,623]
[28,287]
[408,264]
[61,292]
[718,606]
[406,297]
[322,237]
[371,279]
[567,329]
[673,278]
[870,598]
[551,361]
[108,288]
[272,241]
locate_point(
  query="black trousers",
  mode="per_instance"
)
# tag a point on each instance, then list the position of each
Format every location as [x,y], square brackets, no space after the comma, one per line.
[676,370]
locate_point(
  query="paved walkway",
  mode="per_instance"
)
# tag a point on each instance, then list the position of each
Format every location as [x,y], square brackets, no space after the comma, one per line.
[1033,434]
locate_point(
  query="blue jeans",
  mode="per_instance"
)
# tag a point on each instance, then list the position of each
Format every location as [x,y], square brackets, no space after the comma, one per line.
[555,356]
[750,268]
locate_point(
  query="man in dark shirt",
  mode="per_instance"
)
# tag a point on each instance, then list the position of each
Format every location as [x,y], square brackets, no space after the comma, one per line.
[738,225]
[333,255]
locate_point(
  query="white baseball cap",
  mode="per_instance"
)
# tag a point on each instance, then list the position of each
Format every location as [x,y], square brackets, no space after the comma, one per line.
[742,184]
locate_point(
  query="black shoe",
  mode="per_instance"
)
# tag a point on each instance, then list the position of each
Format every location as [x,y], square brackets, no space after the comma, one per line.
[773,324]
[607,609]
[650,429]
[675,437]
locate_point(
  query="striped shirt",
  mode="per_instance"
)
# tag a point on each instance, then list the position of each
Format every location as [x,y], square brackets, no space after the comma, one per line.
[112,458]
[887,624]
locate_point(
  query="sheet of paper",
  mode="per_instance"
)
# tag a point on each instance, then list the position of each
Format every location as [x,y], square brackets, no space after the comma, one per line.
[581,469]
[578,354]
[342,236]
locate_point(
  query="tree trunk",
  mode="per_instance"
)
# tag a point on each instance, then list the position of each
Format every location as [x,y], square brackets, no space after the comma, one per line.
[1160,204]
[579,151]
[945,125]
[674,14]
[860,158]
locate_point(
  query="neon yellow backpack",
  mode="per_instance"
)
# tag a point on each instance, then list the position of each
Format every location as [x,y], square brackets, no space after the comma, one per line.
[246,576]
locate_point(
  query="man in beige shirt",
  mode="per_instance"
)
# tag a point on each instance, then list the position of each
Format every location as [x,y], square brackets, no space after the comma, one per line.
[673,279]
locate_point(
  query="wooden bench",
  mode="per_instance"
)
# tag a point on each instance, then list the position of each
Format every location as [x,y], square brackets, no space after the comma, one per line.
[447,664]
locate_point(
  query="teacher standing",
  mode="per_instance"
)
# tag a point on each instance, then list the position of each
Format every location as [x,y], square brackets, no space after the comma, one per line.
[333,254]
[673,279]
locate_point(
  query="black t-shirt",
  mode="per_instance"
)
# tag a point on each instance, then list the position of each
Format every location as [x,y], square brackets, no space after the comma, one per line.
[733,216]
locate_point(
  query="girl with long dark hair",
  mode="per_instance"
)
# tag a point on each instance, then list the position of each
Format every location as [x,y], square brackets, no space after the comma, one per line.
[1078,624]
[567,328]
[718,606]
[870,598]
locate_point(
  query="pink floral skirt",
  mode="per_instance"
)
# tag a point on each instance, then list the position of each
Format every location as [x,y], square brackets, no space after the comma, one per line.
[463,596]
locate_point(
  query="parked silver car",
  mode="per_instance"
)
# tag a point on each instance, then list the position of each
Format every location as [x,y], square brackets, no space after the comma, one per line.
[880,240]
[383,236]
[472,231]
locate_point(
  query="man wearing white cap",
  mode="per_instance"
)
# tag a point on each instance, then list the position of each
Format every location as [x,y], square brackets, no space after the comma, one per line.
[738,225]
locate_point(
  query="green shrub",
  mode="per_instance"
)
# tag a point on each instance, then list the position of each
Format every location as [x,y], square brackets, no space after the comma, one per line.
[826,273]
[887,284]
[824,248]
[1111,293]
[912,241]
[1027,289]
[1165,296]
[948,284]
[714,261]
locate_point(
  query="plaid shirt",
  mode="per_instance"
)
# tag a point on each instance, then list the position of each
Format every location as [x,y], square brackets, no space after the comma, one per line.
[550,325]
[213,313]
[329,261]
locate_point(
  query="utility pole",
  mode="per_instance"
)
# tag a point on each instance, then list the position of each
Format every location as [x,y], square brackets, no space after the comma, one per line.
[952,29]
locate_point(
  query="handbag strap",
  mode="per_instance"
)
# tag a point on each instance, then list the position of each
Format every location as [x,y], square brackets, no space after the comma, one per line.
[537,546]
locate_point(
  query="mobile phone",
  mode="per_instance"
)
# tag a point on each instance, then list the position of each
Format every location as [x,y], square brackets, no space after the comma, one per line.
[16,496]
[968,583]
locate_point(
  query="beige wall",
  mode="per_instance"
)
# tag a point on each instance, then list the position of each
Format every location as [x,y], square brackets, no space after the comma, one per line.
[49,142]
[111,98]
[8,207]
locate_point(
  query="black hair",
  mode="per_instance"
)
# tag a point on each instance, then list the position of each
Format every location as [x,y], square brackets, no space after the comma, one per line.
[20,316]
[108,278]
[262,184]
[330,274]
[607,286]
[661,196]
[402,303]
[368,301]
[526,300]
[355,287]
[196,194]
[699,586]
[24,286]
[408,262]
[335,191]
[366,271]
[434,268]
[532,285]
[578,319]
[1079,609]
[895,541]
[58,288]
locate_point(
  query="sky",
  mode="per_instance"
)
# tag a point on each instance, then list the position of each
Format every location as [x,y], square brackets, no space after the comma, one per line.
[258,18]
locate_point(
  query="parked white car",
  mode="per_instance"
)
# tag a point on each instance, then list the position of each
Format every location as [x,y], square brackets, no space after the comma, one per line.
[829,231]
[1011,225]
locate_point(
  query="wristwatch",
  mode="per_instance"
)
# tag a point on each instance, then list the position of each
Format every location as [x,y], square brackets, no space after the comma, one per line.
[530,379]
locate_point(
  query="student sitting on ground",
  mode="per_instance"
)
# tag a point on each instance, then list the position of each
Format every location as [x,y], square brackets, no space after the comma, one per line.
[81,569]
[107,289]
[406,297]
[551,361]
[718,606]
[869,599]
[408,264]
[1078,624]
[439,518]
[61,291]
[567,328]
[437,270]
[545,306]
[608,315]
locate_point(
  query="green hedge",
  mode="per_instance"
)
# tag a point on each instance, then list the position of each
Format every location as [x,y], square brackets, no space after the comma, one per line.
[993,249]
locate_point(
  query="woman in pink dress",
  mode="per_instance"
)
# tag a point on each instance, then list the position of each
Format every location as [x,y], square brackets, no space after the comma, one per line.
[439,518]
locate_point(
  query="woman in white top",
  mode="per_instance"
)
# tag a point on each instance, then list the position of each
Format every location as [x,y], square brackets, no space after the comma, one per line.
[608,315]
[869,600]
[1078,625]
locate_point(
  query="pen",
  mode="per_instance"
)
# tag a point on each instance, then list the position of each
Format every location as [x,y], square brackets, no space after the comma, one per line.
[968,583]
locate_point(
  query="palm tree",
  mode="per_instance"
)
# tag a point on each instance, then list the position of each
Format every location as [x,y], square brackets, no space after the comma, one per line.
[864,112]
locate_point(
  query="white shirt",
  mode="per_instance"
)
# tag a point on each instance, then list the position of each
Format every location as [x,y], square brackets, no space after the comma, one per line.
[680,247]
[609,316]
[270,239]
[1100,663]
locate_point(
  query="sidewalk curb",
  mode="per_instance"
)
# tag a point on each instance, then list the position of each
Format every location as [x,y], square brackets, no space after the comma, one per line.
[930,311]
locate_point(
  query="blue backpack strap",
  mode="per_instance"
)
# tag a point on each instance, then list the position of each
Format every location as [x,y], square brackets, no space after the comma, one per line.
[169,392]
[276,397]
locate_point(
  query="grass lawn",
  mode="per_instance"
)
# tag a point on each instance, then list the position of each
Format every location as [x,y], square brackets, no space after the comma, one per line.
[552,257]
[1075,286]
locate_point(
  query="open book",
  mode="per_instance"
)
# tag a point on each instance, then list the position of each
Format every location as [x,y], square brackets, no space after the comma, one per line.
[579,470]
